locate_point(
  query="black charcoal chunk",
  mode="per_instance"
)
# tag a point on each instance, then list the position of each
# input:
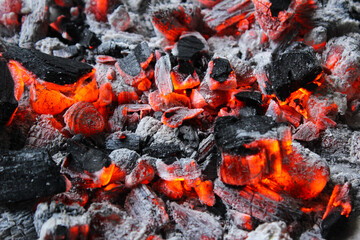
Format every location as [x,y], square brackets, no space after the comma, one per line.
[28,174]
[130,65]
[231,133]
[278,6]
[292,69]
[48,68]
[127,140]
[332,224]
[166,151]
[83,155]
[89,39]
[188,46]
[17,224]
[252,98]
[142,52]
[186,67]
[221,70]
[8,103]
[110,48]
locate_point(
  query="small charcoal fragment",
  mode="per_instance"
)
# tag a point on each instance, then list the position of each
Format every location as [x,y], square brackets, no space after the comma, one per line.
[8,103]
[142,52]
[124,158]
[162,75]
[28,174]
[129,65]
[252,98]
[128,140]
[89,39]
[48,68]
[110,48]
[292,69]
[278,6]
[183,169]
[221,70]
[188,46]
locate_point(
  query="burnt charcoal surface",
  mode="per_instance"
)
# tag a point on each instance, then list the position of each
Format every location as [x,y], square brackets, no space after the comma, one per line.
[221,70]
[130,65]
[293,69]
[28,174]
[163,151]
[48,68]
[142,52]
[278,6]
[253,98]
[186,67]
[110,48]
[130,141]
[226,131]
[8,103]
[89,39]
[189,46]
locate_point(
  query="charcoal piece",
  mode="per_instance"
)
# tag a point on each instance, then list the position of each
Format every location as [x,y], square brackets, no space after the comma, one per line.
[145,206]
[210,165]
[252,98]
[186,67]
[142,52]
[17,224]
[8,103]
[148,126]
[188,135]
[163,150]
[124,158]
[221,70]
[28,174]
[278,6]
[275,230]
[188,46]
[292,69]
[205,147]
[333,223]
[123,140]
[162,75]
[48,68]
[182,169]
[82,155]
[231,133]
[89,39]
[67,52]
[195,224]
[129,229]
[130,65]
[110,48]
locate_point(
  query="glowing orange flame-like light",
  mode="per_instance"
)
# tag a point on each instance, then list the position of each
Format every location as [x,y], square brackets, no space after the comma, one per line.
[339,199]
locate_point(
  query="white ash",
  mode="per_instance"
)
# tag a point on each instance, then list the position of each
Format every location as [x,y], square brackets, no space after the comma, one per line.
[270,231]
[125,158]
[147,127]
[129,229]
[165,135]
[16,225]
[119,19]
[235,233]
[48,45]
[316,35]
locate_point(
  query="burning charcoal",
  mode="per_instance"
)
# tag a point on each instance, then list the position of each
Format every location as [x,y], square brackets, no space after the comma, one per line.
[241,220]
[84,118]
[147,127]
[205,96]
[204,190]
[110,48]
[220,75]
[10,11]
[278,6]
[205,147]
[42,176]
[339,206]
[129,229]
[119,139]
[188,45]
[252,98]
[8,103]
[143,54]
[293,69]
[130,70]
[209,3]
[48,45]
[228,14]
[143,205]
[162,75]
[119,19]
[174,117]
[89,39]
[35,25]
[124,158]
[52,69]
[195,224]
[274,230]
[316,38]
[160,102]
[283,113]
[259,202]
[183,169]
[171,189]
[184,76]
[83,155]
[307,132]
[17,224]
[143,173]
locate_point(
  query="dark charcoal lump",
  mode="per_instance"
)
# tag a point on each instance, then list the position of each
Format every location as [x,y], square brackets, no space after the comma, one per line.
[130,65]
[186,67]
[252,98]
[293,69]
[85,156]
[278,6]
[28,174]
[221,70]
[188,46]
[142,52]
[130,141]
[168,152]
[48,68]
[110,48]
[333,225]
[89,39]
[8,103]
[226,131]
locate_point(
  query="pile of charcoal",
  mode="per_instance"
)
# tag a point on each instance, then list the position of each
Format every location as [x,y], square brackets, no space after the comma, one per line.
[195,119]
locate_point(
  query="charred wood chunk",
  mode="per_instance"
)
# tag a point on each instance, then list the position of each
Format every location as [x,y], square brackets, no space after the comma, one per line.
[142,52]
[18,224]
[28,174]
[110,48]
[48,68]
[85,156]
[278,6]
[8,103]
[123,140]
[292,69]
[221,70]
[89,39]
[130,65]
[252,98]
[188,46]
[163,150]
[231,133]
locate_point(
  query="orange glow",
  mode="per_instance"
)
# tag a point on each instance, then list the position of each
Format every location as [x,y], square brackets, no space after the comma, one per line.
[183,81]
[105,95]
[99,8]
[78,231]
[127,97]
[171,189]
[205,192]
[143,85]
[145,64]
[298,101]
[339,199]
[160,102]
[197,100]
[87,93]
[106,174]
[20,76]
[143,173]
[174,117]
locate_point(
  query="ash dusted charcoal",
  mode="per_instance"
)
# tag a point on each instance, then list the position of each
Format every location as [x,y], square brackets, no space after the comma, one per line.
[120,19]
[189,45]
[145,206]
[89,39]
[129,65]
[221,70]
[8,103]
[124,158]
[67,52]
[175,116]
[143,54]
[147,127]
[42,176]
[119,139]
[183,169]
[84,155]
[110,48]
[274,230]
[48,68]
[252,98]
[278,6]
[169,151]
[195,224]
[231,133]
[143,173]
[188,135]
[292,69]
[162,75]
[129,229]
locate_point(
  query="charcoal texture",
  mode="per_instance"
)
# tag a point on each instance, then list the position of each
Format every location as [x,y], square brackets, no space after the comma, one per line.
[188,46]
[28,174]
[110,48]
[130,65]
[278,6]
[221,70]
[8,103]
[129,140]
[89,39]
[17,224]
[252,98]
[48,68]
[142,52]
[292,69]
